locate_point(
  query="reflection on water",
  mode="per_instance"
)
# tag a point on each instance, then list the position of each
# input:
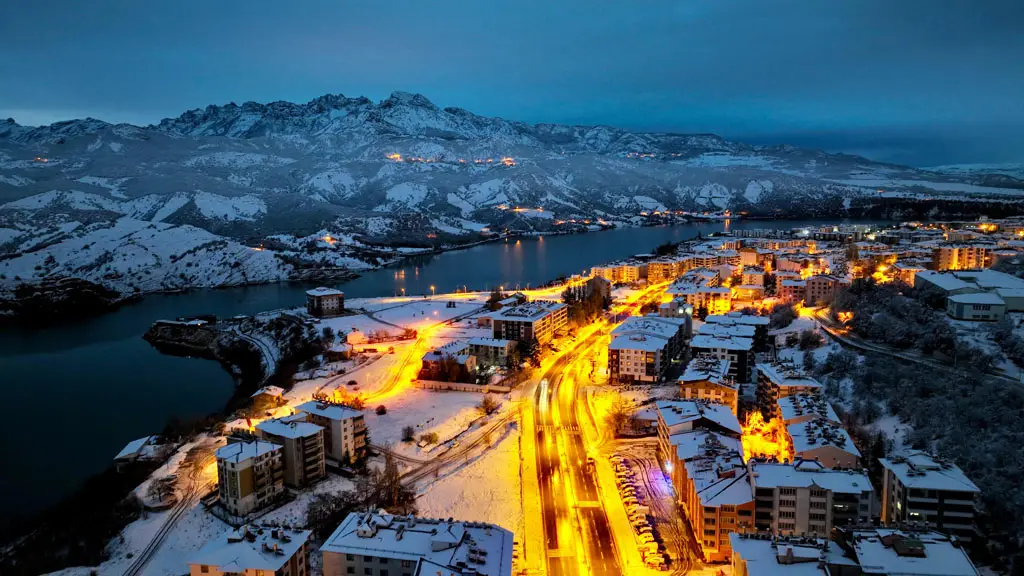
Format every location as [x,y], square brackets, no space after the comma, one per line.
[101,380]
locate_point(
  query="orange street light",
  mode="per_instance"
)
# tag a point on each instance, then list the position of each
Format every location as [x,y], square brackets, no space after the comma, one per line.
[431,289]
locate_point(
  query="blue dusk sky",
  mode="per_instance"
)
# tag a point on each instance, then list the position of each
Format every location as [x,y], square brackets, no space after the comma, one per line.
[912,81]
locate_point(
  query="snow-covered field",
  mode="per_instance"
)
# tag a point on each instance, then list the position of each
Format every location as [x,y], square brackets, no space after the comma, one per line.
[445,412]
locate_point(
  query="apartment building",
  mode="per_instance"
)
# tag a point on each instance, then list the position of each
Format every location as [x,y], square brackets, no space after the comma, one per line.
[250,475]
[715,300]
[797,408]
[491,351]
[760,324]
[713,486]
[707,378]
[822,289]
[678,416]
[753,275]
[737,350]
[780,379]
[378,544]
[663,270]
[855,551]
[825,441]
[807,498]
[962,256]
[254,550]
[621,272]
[344,429]
[790,290]
[926,489]
[540,320]
[643,348]
[325,302]
[302,446]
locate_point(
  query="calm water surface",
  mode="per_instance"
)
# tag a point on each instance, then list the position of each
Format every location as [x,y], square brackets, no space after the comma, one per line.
[76,394]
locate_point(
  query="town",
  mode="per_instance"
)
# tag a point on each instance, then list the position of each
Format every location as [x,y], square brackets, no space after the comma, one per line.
[742,403]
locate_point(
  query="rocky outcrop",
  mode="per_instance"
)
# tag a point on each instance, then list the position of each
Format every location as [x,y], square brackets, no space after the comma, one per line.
[58,300]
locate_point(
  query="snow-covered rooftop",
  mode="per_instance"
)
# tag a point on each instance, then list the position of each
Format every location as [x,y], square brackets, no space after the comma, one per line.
[785,375]
[328,410]
[712,342]
[725,330]
[694,443]
[288,428]
[819,433]
[708,368]
[643,342]
[268,390]
[903,553]
[676,412]
[923,471]
[529,312]
[652,325]
[807,473]
[453,545]
[767,557]
[805,407]
[990,298]
[491,342]
[133,448]
[251,547]
[242,451]
[324,291]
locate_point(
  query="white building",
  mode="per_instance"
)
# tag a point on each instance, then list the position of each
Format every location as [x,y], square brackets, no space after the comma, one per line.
[923,488]
[806,498]
[345,429]
[737,350]
[250,475]
[379,544]
[325,301]
[675,417]
[707,378]
[979,306]
[254,550]
[825,441]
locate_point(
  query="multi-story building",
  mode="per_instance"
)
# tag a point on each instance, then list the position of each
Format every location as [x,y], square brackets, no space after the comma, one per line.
[325,301]
[677,416]
[643,348]
[760,324]
[753,275]
[822,289]
[372,544]
[807,498]
[906,552]
[250,475]
[254,550]
[737,350]
[491,351]
[707,378]
[713,486]
[302,446]
[663,270]
[823,440]
[789,290]
[779,379]
[715,300]
[538,320]
[345,429]
[962,256]
[797,408]
[932,491]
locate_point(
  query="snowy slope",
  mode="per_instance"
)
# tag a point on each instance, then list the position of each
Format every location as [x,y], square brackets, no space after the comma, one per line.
[402,169]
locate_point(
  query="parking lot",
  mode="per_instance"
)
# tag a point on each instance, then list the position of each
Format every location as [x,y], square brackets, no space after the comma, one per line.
[662,536]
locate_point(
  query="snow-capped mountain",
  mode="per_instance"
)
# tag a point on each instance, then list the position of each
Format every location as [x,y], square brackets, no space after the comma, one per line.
[224,180]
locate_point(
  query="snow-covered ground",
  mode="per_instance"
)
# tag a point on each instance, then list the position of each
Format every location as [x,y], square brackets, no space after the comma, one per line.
[445,412]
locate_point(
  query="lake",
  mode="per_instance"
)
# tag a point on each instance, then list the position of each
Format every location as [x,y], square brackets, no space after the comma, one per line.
[76,394]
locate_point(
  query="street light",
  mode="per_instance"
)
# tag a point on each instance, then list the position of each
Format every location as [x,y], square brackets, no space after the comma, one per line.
[431,289]
[403,291]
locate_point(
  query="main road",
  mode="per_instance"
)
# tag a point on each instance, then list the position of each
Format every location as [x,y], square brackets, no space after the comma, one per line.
[578,536]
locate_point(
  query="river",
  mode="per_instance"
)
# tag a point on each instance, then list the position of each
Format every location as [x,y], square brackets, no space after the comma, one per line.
[75,394]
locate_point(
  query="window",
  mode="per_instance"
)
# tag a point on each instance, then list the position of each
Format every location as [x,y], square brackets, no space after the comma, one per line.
[817,505]
[787,503]
[349,557]
[784,514]
[384,561]
[710,532]
[351,569]
[383,573]
[787,491]
[204,568]
[407,564]
[368,571]
[367,558]
[818,517]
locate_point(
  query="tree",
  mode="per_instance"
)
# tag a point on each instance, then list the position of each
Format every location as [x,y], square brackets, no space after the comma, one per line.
[381,410]
[810,339]
[488,405]
[494,299]
[408,434]
[327,335]
[666,249]
[619,414]
[808,361]
[429,438]
[782,315]
[530,351]
[325,512]
[702,312]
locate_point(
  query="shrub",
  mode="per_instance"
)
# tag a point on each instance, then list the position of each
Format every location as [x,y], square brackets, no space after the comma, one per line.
[381,410]
[429,438]
[408,434]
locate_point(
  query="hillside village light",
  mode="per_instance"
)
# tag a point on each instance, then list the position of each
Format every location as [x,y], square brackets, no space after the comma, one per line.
[431,289]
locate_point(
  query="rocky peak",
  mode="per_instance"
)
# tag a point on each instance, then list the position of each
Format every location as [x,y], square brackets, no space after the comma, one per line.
[407,99]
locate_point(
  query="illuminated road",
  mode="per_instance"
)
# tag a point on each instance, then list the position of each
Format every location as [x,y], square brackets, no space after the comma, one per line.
[578,537]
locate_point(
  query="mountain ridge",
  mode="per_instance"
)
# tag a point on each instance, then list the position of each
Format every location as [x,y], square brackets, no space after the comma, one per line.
[385,178]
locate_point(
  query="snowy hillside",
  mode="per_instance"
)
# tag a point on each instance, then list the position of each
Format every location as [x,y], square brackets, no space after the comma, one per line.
[189,201]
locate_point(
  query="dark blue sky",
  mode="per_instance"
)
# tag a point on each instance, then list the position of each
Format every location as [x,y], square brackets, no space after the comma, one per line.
[914,81]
